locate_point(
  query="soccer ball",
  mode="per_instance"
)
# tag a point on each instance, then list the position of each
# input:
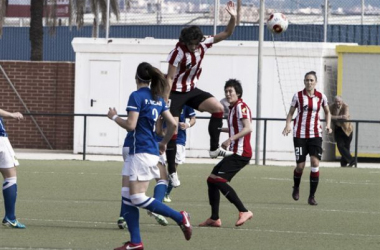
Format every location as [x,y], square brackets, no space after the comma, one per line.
[277,23]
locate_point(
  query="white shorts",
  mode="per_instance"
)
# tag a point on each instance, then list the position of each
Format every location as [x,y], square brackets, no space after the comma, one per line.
[181,154]
[141,167]
[162,159]
[125,153]
[7,155]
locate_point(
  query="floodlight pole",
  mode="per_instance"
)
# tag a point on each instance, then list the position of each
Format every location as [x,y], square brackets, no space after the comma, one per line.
[216,14]
[259,81]
[363,8]
[108,20]
[325,20]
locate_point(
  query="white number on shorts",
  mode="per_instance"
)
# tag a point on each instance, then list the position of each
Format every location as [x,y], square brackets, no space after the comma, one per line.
[298,152]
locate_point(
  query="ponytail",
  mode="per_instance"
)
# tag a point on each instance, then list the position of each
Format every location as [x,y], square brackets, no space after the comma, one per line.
[147,73]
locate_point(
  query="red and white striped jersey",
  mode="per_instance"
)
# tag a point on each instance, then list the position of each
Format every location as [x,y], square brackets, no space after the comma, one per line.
[307,123]
[239,111]
[188,65]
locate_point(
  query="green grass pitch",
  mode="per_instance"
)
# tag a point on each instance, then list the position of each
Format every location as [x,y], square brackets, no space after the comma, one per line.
[75,205]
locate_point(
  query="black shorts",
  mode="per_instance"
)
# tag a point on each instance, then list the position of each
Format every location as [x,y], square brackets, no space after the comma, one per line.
[307,146]
[230,166]
[193,99]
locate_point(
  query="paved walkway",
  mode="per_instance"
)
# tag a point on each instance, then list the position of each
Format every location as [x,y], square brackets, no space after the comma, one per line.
[35,154]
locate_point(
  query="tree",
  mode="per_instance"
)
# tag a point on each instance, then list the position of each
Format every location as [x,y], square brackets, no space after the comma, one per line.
[36,31]
[77,11]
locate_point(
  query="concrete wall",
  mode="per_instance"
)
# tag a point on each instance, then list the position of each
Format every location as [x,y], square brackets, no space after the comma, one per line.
[105,72]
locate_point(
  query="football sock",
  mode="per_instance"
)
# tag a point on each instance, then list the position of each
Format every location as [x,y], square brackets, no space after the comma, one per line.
[214,128]
[160,190]
[230,194]
[214,198]
[171,151]
[131,216]
[296,178]
[124,193]
[10,194]
[170,188]
[314,180]
[143,201]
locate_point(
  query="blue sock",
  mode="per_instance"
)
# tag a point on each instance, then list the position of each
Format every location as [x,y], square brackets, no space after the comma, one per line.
[132,217]
[10,194]
[160,190]
[161,208]
[170,188]
[122,208]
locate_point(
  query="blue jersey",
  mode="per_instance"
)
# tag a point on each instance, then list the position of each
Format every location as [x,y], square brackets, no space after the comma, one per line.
[187,112]
[128,141]
[144,139]
[2,128]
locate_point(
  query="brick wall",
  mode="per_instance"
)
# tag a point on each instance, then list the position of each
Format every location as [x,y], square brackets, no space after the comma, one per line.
[45,87]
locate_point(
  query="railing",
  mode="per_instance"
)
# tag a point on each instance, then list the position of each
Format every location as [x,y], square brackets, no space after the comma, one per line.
[357,122]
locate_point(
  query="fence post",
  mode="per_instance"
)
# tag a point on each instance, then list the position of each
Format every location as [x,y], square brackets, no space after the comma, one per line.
[265,141]
[356,143]
[84,136]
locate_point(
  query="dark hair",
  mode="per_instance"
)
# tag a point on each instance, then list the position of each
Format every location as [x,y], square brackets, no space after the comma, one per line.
[236,85]
[312,73]
[191,33]
[146,73]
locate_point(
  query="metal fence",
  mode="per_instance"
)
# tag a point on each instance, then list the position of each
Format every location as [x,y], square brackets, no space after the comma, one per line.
[265,121]
[202,12]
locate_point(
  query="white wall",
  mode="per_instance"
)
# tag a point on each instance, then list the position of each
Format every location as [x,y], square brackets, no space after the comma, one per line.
[229,59]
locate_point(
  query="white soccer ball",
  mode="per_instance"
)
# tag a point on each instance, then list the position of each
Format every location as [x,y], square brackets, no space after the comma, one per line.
[277,23]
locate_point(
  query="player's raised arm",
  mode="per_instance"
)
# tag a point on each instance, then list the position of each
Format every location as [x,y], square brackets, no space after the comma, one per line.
[230,26]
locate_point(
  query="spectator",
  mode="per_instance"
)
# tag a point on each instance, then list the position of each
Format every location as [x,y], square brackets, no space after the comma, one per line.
[342,130]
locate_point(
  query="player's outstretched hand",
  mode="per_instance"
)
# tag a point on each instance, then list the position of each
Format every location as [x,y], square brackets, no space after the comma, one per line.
[17,115]
[111,113]
[231,8]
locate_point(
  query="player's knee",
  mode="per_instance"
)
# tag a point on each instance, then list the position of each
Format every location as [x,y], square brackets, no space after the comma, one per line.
[219,108]
[141,200]
[162,182]
[314,169]
[216,180]
[8,182]
[125,195]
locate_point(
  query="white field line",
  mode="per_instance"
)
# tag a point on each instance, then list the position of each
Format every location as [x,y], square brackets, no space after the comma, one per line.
[362,182]
[32,248]
[206,228]
[206,205]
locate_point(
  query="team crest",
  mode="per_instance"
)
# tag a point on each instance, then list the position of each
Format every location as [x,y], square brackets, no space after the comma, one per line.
[244,111]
